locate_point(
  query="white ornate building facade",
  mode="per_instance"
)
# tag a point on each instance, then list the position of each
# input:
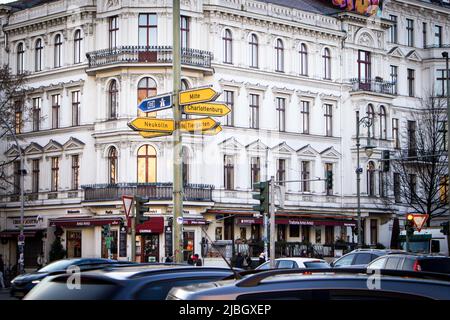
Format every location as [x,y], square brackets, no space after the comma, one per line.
[294,77]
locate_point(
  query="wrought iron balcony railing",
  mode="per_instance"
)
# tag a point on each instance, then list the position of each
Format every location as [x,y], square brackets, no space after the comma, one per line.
[154,191]
[373,85]
[148,54]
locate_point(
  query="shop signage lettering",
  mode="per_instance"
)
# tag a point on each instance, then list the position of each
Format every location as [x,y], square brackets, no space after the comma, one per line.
[26,221]
[301,222]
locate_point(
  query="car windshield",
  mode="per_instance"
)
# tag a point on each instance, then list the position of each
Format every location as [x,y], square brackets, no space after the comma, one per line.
[316,265]
[60,265]
[417,246]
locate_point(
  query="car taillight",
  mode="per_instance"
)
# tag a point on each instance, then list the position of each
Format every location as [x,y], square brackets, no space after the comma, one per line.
[416,266]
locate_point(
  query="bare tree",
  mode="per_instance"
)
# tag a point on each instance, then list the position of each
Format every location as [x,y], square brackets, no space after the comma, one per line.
[13,114]
[420,171]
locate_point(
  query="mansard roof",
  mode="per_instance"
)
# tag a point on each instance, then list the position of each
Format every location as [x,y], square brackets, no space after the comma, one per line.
[25,4]
[317,6]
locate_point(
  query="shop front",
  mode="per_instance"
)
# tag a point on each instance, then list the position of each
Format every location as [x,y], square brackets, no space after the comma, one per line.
[149,239]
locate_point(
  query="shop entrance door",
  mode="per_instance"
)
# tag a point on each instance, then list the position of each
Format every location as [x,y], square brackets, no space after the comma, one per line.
[150,247]
[74,244]
[188,244]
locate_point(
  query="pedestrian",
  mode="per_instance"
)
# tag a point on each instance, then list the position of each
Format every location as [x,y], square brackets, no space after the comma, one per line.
[262,258]
[2,271]
[40,260]
[239,260]
[249,263]
[198,261]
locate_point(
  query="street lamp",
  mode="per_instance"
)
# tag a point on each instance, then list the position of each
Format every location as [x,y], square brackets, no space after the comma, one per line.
[447,76]
[366,122]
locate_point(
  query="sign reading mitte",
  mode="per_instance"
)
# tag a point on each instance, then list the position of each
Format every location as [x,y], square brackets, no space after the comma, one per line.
[197,95]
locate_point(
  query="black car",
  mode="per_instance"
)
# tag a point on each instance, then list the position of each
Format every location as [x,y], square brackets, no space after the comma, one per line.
[360,258]
[22,284]
[322,284]
[412,262]
[143,282]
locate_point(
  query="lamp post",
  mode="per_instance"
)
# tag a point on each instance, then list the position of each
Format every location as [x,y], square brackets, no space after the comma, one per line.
[447,79]
[366,122]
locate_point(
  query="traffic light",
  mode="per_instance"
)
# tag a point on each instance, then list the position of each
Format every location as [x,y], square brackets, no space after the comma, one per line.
[329,180]
[445,228]
[262,195]
[409,225]
[385,162]
[141,209]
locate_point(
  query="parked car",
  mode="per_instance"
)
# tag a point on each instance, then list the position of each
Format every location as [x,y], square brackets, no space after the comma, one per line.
[143,282]
[321,284]
[360,258]
[412,262]
[22,284]
[293,263]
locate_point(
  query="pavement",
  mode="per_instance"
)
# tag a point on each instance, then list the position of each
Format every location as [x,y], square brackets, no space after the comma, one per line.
[4,295]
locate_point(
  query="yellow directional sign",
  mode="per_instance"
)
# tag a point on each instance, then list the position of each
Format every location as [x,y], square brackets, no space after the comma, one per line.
[197,95]
[147,134]
[212,132]
[202,124]
[152,125]
[208,109]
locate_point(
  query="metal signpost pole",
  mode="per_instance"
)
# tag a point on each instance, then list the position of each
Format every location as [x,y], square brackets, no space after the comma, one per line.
[133,233]
[447,73]
[272,222]
[177,146]
[358,181]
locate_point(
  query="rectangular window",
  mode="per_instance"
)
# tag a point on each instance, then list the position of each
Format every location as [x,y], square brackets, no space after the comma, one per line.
[410,32]
[281,113]
[305,116]
[55,174]
[373,231]
[328,120]
[412,145]
[294,231]
[75,172]
[364,73]
[394,77]
[18,116]
[306,175]
[411,82]
[413,187]
[328,168]
[56,104]
[16,173]
[184,24]
[281,170]
[36,114]
[35,176]
[393,29]
[306,234]
[443,129]
[255,170]
[113,31]
[438,36]
[382,184]
[441,83]
[424,34]
[148,29]
[229,101]
[76,108]
[254,111]
[397,196]
[395,133]
[443,189]
[228,172]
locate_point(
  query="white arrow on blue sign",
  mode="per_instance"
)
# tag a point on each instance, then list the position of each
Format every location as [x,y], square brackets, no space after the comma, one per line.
[156,103]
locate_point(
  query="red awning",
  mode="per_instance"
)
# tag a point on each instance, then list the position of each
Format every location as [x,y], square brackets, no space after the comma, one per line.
[152,225]
[297,221]
[84,221]
[15,233]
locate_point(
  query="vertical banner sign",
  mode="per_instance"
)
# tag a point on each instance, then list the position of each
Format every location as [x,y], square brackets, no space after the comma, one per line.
[168,240]
[123,243]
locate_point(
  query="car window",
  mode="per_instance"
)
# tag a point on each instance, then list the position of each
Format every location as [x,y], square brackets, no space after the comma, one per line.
[264,266]
[285,264]
[435,265]
[362,258]
[378,263]
[392,263]
[345,260]
[60,265]
[316,265]
[158,290]
[408,264]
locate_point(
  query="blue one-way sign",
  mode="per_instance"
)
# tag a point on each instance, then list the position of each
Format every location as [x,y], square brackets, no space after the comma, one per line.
[156,103]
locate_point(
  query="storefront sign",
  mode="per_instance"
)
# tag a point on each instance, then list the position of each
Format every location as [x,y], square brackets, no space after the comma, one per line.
[31,221]
[168,240]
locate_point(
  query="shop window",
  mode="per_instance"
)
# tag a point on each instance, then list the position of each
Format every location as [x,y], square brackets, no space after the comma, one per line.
[219,233]
[188,244]
[113,246]
[306,233]
[281,232]
[318,235]
[294,231]
[243,233]
[373,231]
[73,240]
[256,232]
[329,234]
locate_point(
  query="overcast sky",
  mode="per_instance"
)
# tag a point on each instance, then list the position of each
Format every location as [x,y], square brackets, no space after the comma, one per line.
[6,1]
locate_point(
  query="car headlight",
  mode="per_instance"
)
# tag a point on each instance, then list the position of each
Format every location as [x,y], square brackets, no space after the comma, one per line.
[35,281]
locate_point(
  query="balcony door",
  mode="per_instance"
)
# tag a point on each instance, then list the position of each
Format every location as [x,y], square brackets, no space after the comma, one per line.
[364,73]
[148,37]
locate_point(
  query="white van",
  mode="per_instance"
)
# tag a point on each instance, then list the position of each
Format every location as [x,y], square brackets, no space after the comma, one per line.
[428,240]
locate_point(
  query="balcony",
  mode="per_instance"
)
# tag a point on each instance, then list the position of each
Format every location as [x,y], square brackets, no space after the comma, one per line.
[158,55]
[373,85]
[154,191]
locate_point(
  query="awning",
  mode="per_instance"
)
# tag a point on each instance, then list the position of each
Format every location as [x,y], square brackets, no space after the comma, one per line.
[83,221]
[15,233]
[293,221]
[152,225]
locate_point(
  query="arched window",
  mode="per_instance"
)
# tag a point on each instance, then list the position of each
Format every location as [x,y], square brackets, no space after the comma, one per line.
[77,46]
[146,164]
[112,165]
[58,51]
[371,116]
[185,157]
[227,47]
[146,88]
[253,51]
[383,122]
[371,179]
[279,49]
[326,64]
[38,55]
[20,55]
[113,100]
[303,60]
